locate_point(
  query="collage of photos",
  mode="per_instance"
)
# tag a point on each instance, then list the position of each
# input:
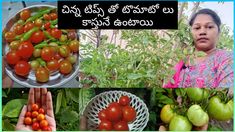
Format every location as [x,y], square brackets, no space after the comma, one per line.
[117,80]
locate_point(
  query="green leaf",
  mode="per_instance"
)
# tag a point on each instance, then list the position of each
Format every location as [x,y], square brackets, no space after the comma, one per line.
[63,101]
[134,76]
[4,94]
[69,116]
[7,126]
[214,128]
[73,93]
[13,107]
[164,99]
[180,92]
[58,102]
[85,95]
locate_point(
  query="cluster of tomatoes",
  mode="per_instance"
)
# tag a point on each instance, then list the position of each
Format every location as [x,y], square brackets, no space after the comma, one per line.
[117,115]
[35,43]
[37,119]
[196,113]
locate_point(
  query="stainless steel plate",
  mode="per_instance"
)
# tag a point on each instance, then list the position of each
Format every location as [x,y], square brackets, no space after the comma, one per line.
[56,79]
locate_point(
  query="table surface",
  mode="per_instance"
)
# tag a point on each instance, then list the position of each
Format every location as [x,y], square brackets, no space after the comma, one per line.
[9,9]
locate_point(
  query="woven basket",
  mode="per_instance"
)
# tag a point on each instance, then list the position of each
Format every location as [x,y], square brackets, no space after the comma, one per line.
[102,101]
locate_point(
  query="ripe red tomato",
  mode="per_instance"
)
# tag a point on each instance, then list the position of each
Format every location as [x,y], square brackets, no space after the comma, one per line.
[42,74]
[41,111]
[40,117]
[105,125]
[53,65]
[47,25]
[9,36]
[25,50]
[53,16]
[121,126]
[35,126]
[12,57]
[103,115]
[22,68]
[47,128]
[28,114]
[57,56]
[129,114]
[65,67]
[35,107]
[74,46]
[47,17]
[25,14]
[28,26]
[47,53]
[34,114]
[114,112]
[56,33]
[37,37]
[27,121]
[18,29]
[124,100]
[43,123]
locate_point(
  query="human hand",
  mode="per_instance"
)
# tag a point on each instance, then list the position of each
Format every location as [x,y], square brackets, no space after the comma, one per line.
[43,98]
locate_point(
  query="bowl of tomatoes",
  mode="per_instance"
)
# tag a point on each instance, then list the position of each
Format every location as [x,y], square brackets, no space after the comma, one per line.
[36,52]
[116,111]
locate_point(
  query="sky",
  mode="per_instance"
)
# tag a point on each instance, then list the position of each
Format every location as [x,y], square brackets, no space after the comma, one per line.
[224,10]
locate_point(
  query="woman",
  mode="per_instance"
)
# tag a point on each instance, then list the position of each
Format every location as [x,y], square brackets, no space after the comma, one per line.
[215,69]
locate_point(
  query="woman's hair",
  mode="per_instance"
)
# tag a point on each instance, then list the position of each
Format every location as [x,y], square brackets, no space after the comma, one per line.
[209,12]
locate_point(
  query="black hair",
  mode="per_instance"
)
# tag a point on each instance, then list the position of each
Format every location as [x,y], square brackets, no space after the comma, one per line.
[209,12]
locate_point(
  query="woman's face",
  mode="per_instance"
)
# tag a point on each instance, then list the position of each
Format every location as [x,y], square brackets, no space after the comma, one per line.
[205,32]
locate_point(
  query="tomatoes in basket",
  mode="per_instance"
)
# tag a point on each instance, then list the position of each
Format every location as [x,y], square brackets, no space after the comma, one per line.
[114,112]
[37,37]
[121,126]
[124,100]
[25,50]
[129,113]
[22,68]
[12,57]
[105,125]
[25,14]
[42,74]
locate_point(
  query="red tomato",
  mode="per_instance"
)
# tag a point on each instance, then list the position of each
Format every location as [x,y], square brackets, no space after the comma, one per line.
[105,125]
[27,121]
[25,14]
[43,123]
[53,65]
[9,36]
[74,46]
[47,17]
[65,67]
[41,111]
[53,16]
[35,126]
[12,57]
[103,115]
[25,50]
[114,112]
[37,37]
[47,54]
[56,33]
[47,25]
[121,126]
[34,114]
[22,68]
[124,100]
[28,114]
[18,29]
[42,74]
[28,26]
[129,114]
[35,107]
[47,128]
[57,56]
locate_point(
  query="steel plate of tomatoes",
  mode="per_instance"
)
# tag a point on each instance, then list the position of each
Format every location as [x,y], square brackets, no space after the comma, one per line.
[37,53]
